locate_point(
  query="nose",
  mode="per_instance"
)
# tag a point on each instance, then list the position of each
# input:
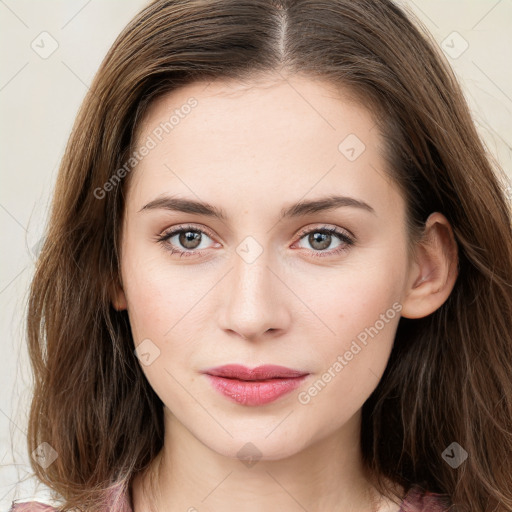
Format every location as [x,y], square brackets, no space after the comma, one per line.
[254,300]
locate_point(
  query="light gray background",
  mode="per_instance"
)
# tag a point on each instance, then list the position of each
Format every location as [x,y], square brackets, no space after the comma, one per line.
[39,98]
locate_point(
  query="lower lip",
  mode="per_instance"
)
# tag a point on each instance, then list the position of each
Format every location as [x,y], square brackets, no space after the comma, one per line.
[261,392]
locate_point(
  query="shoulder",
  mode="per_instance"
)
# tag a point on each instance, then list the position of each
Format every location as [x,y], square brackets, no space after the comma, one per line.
[418,500]
[31,506]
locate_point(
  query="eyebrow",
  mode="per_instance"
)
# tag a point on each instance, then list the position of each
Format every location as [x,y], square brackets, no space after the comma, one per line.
[299,209]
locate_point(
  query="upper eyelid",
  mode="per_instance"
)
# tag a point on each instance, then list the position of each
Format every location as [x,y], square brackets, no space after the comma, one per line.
[185,227]
[323,227]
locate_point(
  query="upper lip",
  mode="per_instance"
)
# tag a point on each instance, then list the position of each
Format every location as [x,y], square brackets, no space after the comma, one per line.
[267,371]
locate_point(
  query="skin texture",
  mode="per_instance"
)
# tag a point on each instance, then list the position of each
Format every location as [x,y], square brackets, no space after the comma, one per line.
[252,151]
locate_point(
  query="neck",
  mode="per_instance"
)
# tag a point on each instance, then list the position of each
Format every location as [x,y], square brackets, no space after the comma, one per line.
[327,475]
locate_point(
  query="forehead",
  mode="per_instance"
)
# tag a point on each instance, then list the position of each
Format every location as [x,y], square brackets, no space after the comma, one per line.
[264,98]
[269,134]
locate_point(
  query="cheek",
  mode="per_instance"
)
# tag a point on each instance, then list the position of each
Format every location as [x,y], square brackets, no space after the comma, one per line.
[361,306]
[146,303]
[353,361]
[365,325]
[352,297]
[160,321]
[166,317]
[158,292]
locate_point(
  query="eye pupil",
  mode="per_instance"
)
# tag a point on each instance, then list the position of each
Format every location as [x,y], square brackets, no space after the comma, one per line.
[323,238]
[190,237]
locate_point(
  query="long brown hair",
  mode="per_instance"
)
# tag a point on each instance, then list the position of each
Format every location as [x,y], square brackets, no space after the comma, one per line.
[449,377]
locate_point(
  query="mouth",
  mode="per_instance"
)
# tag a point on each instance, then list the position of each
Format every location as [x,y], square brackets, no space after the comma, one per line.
[257,386]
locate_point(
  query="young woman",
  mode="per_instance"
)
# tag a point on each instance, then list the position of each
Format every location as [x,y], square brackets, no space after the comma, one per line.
[277,273]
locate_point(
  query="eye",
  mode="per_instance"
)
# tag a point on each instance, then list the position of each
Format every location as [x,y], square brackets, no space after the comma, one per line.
[322,238]
[184,240]
[187,240]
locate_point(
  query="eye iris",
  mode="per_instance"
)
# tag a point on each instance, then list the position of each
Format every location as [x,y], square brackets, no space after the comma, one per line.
[187,237]
[323,238]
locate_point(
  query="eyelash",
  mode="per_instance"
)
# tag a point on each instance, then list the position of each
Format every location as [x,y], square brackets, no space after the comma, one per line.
[344,238]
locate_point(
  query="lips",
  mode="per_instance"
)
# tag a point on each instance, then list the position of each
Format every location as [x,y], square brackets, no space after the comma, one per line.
[257,386]
[268,371]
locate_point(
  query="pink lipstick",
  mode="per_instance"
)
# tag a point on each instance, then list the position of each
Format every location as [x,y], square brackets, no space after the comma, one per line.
[257,386]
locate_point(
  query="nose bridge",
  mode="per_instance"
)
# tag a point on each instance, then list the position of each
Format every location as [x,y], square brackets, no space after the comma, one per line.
[254,302]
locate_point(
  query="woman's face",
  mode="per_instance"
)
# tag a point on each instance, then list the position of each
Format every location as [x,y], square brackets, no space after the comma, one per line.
[257,287]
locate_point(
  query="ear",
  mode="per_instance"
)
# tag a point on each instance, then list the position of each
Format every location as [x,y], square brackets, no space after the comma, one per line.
[434,269]
[117,296]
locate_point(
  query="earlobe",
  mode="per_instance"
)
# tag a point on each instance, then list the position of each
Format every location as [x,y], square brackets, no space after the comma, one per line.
[434,271]
[118,297]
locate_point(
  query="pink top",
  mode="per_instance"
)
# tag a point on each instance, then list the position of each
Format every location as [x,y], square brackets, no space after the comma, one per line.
[414,501]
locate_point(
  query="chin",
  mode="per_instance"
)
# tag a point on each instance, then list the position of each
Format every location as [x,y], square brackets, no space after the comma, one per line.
[253,448]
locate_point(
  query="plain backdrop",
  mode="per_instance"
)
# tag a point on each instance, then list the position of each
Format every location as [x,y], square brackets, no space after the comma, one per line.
[50,52]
